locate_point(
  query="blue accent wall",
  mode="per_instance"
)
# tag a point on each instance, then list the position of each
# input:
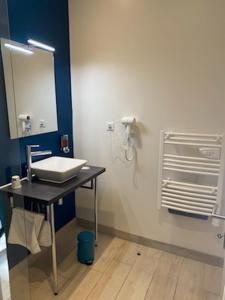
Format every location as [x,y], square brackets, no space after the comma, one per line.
[9,149]
[47,21]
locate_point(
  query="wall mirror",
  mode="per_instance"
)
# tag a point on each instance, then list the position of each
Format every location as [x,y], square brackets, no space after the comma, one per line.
[30,89]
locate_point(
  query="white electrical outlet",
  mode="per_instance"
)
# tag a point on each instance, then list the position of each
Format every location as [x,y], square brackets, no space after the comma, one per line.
[42,124]
[110,126]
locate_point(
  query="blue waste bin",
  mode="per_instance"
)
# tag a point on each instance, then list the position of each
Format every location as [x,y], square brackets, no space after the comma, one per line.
[86,247]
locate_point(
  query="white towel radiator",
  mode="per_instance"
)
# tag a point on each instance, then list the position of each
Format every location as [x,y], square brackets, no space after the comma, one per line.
[191,172]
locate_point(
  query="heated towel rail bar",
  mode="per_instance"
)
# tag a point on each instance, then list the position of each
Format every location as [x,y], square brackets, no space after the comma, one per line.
[181,156]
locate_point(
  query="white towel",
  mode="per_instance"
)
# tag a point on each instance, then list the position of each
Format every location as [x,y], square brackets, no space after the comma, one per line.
[45,236]
[25,228]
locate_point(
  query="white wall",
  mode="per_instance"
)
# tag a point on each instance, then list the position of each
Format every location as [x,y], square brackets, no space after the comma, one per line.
[164,62]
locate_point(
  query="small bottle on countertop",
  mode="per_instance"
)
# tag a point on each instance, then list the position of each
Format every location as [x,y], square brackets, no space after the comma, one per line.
[16,183]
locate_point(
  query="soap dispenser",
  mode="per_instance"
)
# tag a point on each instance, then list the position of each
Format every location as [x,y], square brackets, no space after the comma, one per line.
[65,143]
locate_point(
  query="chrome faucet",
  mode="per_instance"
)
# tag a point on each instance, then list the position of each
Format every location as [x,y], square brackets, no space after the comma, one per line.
[30,154]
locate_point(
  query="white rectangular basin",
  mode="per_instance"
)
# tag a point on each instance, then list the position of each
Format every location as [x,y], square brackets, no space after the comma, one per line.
[57,169]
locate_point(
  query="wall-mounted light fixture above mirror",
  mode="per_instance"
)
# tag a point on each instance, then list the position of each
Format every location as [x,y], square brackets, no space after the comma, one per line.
[41,45]
[30,88]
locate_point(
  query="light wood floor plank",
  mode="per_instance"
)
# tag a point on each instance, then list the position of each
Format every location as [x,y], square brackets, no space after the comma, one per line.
[129,252]
[111,252]
[185,292]
[192,273]
[190,281]
[212,279]
[198,281]
[163,284]
[211,296]
[140,276]
[111,282]
[85,287]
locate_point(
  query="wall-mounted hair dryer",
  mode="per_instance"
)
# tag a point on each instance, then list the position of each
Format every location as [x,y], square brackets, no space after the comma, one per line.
[26,124]
[129,122]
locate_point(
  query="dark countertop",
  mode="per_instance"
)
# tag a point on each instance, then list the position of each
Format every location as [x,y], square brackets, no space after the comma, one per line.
[48,193]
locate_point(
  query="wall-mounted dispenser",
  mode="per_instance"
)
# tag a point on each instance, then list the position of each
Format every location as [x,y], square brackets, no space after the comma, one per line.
[65,143]
[129,123]
[26,124]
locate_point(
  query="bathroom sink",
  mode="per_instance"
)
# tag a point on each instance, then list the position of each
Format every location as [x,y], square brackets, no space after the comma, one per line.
[57,169]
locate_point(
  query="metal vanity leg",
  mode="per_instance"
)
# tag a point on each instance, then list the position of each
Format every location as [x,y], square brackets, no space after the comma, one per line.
[96,211]
[50,211]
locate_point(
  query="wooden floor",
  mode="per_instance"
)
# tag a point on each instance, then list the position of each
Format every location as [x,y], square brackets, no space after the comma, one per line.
[125,271]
